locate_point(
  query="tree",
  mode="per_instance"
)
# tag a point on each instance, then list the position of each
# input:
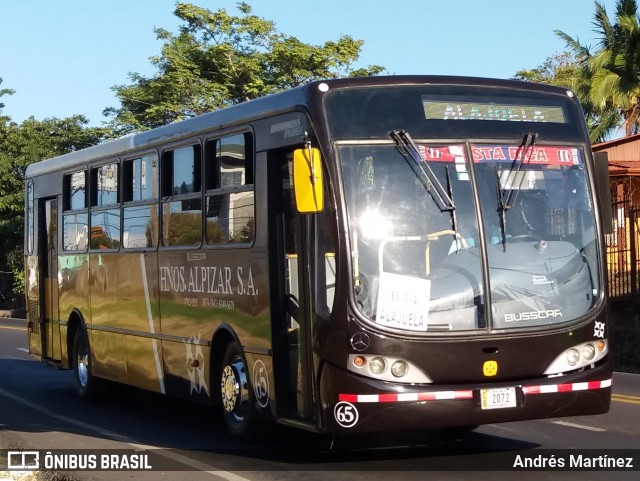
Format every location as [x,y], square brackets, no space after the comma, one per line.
[2,93]
[560,69]
[611,74]
[217,59]
[567,70]
[21,145]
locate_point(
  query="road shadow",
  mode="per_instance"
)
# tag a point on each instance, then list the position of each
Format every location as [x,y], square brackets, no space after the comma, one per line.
[43,400]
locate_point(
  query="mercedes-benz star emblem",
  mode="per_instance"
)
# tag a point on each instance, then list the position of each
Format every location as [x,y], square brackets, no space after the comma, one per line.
[360,341]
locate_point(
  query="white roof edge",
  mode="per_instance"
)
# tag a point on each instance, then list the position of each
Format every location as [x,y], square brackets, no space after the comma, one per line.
[78,157]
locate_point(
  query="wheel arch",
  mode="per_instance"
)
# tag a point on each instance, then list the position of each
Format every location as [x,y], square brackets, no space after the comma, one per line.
[76,321]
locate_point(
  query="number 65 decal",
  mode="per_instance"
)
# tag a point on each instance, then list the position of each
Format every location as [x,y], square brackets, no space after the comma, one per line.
[346,414]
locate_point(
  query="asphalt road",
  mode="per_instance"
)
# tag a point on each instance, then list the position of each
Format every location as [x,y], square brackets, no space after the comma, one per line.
[39,410]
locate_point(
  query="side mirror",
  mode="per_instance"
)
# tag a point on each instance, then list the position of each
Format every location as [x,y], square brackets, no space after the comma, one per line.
[307,180]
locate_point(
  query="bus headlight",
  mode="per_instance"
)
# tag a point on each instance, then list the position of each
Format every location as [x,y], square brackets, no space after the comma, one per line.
[377,365]
[573,356]
[588,352]
[387,368]
[577,357]
[399,368]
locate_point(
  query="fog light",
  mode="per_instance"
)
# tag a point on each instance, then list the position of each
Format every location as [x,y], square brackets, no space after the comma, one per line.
[399,368]
[573,356]
[589,351]
[377,365]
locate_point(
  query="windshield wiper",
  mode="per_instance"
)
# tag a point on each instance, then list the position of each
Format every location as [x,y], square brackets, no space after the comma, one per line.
[409,150]
[441,196]
[506,200]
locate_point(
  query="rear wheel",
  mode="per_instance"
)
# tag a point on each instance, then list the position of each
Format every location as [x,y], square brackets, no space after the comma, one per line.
[87,385]
[235,394]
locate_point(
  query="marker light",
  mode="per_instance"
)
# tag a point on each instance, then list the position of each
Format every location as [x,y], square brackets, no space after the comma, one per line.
[359,361]
[377,365]
[601,346]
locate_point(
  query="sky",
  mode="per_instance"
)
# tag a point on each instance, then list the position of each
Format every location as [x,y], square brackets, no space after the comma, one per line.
[63,56]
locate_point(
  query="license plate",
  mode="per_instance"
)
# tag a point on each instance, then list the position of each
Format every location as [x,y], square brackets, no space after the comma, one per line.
[498,398]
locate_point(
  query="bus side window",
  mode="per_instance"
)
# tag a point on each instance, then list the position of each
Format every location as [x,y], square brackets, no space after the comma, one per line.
[140,196]
[105,208]
[230,197]
[75,217]
[181,183]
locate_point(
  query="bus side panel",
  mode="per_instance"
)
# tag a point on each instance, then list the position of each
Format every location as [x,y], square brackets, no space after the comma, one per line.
[125,318]
[108,315]
[200,291]
[73,292]
[138,298]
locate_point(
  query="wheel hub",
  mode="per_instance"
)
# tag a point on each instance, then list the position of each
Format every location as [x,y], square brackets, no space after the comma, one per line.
[82,366]
[235,394]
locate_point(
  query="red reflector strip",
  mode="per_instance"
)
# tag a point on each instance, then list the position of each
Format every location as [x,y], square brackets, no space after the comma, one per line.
[468,393]
[571,387]
[406,397]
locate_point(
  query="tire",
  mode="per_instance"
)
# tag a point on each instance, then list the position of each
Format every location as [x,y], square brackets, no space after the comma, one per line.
[235,393]
[87,386]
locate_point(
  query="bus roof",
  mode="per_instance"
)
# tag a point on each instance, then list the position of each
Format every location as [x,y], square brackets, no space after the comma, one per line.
[252,110]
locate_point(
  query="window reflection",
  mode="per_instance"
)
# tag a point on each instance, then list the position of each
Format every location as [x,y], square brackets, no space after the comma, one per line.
[105,229]
[230,218]
[106,184]
[77,191]
[140,227]
[182,223]
[75,232]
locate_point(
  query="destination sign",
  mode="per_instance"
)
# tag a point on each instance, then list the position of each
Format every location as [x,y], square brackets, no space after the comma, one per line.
[540,155]
[454,110]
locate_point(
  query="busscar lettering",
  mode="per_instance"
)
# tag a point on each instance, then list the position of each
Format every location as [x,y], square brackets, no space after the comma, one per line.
[290,128]
[532,315]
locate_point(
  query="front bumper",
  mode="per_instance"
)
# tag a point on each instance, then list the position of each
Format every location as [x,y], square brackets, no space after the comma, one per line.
[354,404]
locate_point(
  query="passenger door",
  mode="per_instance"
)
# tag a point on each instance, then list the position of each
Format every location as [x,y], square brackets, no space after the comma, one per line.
[48,263]
[291,319]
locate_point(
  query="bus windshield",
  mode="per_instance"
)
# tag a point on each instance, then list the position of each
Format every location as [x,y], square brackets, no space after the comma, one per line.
[418,264]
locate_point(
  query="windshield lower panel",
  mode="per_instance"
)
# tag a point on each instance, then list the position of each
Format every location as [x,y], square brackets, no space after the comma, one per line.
[418,263]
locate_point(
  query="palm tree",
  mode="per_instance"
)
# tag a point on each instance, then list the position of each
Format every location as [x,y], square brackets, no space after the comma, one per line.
[609,84]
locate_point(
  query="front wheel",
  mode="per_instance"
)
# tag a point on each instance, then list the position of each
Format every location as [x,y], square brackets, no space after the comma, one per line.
[235,395]
[87,385]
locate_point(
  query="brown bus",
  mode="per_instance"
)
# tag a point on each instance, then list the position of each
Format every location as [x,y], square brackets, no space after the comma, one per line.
[352,255]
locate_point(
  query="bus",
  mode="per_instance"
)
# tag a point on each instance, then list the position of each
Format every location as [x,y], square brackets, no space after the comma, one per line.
[349,256]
